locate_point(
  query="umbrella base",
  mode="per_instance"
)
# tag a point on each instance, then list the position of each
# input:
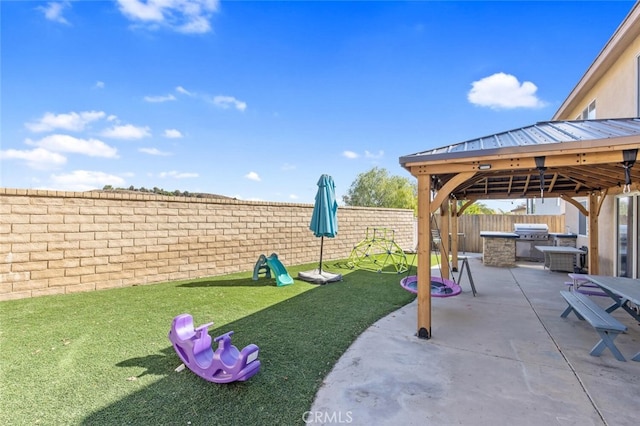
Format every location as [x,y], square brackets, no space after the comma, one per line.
[319,277]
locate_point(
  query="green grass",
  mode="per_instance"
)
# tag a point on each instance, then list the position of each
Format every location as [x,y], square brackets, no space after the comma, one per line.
[104,357]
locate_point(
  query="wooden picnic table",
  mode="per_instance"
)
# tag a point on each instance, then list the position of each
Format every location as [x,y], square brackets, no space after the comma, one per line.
[623,291]
[558,258]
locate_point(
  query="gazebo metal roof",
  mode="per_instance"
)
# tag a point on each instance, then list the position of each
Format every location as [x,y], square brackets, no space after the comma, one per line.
[567,157]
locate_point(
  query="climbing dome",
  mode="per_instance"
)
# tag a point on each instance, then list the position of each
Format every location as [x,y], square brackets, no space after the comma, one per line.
[379,252]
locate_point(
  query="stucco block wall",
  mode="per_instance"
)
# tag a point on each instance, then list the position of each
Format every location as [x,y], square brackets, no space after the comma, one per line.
[54,242]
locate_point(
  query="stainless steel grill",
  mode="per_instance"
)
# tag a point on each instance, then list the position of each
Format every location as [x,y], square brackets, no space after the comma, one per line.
[529,236]
[531,231]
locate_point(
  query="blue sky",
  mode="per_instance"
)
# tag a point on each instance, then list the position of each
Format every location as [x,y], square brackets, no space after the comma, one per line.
[256,100]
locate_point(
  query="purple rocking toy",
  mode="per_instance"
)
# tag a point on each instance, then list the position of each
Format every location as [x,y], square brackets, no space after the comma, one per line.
[227,364]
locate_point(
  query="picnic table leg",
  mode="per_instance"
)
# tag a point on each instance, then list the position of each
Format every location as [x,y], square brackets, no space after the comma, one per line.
[624,304]
[617,301]
[607,342]
[636,357]
[568,311]
[613,307]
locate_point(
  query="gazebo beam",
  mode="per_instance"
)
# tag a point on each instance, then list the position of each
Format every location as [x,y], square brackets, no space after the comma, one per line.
[526,185]
[575,204]
[553,182]
[616,190]
[524,160]
[445,191]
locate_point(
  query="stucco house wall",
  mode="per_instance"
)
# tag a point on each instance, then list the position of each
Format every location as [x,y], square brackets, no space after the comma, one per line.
[616,92]
[612,81]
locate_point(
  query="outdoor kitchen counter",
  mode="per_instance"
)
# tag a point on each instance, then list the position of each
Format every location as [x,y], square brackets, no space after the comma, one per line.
[491,234]
[499,248]
[563,240]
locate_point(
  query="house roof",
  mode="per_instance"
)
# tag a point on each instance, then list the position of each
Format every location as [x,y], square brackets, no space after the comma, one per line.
[578,156]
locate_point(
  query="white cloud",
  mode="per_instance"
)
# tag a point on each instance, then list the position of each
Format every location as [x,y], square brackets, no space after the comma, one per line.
[66,143]
[184,91]
[72,121]
[293,197]
[253,176]
[143,11]
[226,102]
[154,151]
[172,134]
[85,180]
[377,156]
[177,175]
[53,11]
[38,158]
[99,85]
[185,16]
[504,91]
[350,154]
[196,25]
[159,99]
[127,131]
[286,167]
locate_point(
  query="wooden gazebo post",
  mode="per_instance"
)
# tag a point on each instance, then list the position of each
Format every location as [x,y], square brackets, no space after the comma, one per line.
[427,207]
[424,256]
[595,204]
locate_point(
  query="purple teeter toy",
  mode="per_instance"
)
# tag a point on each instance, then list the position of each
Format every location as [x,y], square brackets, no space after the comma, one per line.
[227,364]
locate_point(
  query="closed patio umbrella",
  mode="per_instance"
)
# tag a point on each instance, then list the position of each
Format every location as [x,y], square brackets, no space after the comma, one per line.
[324,223]
[324,220]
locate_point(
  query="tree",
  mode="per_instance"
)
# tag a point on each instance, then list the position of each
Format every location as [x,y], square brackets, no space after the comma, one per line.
[376,188]
[478,208]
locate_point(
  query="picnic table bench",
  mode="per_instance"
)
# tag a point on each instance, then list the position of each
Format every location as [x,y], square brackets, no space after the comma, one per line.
[607,326]
[581,284]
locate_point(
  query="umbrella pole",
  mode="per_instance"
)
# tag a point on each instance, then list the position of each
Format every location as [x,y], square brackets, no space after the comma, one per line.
[321,244]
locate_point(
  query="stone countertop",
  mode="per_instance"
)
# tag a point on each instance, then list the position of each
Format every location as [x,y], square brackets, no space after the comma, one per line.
[492,234]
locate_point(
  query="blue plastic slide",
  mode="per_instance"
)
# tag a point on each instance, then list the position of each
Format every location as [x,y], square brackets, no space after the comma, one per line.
[278,269]
[274,265]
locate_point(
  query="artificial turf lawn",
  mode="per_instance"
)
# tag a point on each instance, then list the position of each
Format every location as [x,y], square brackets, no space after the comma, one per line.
[104,358]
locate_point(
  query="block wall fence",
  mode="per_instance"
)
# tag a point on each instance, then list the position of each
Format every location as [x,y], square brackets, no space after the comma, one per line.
[54,242]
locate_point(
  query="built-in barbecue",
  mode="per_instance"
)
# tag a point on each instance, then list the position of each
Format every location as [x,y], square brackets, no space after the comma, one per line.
[529,236]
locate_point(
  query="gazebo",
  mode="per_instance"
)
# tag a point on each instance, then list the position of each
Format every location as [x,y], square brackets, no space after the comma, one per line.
[567,159]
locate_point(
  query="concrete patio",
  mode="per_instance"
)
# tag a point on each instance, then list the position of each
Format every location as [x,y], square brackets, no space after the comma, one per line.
[502,357]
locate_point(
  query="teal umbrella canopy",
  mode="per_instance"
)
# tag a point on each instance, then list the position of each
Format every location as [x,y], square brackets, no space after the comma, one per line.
[324,221]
